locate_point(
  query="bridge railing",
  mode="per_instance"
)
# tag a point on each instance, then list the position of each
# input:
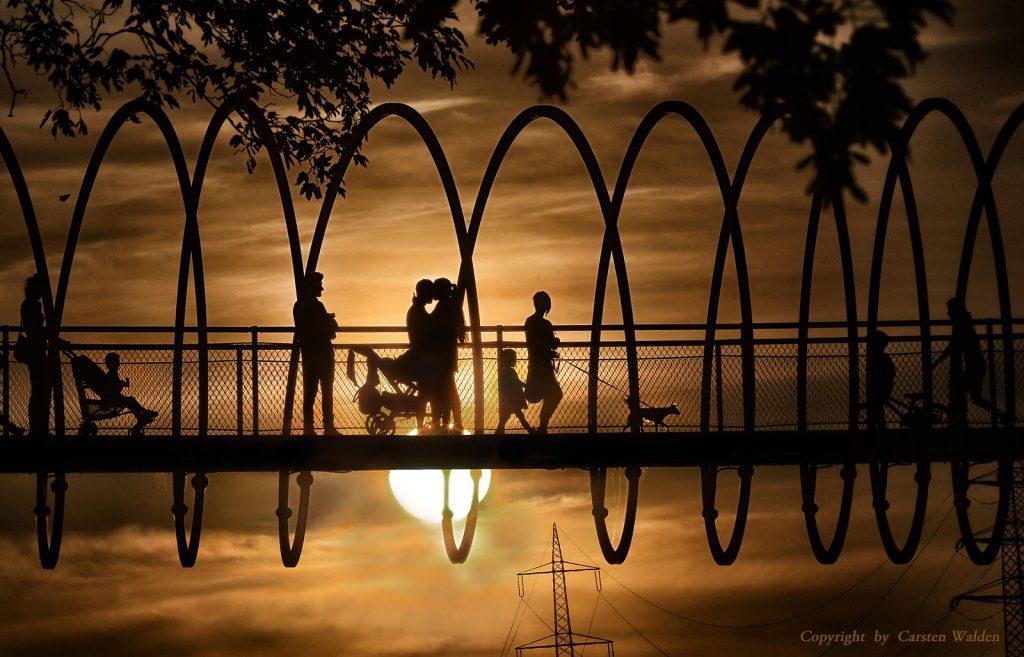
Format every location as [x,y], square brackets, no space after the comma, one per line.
[248,370]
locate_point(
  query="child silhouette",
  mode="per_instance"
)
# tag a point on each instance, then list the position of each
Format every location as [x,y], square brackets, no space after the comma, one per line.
[511,398]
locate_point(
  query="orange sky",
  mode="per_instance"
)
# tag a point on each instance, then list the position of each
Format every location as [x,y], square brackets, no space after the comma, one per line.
[373,580]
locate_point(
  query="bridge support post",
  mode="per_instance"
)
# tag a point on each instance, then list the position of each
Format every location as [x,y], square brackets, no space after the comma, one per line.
[239,392]
[255,360]
[6,372]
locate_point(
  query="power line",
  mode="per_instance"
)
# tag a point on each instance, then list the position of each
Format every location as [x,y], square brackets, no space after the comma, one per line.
[771,623]
[924,600]
[633,627]
[507,644]
[897,580]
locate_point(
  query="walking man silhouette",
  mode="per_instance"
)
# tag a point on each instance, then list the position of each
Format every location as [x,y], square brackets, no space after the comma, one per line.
[541,345]
[315,328]
[966,365]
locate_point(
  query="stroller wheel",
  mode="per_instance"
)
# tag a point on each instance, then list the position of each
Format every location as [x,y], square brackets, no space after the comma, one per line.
[88,429]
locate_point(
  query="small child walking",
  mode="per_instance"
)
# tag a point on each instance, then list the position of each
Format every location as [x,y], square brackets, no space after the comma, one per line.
[511,398]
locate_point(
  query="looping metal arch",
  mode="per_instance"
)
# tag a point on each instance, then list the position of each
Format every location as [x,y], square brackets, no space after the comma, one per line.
[598,486]
[467,277]
[188,540]
[291,551]
[49,548]
[879,473]
[808,484]
[459,552]
[960,478]
[809,472]
[708,488]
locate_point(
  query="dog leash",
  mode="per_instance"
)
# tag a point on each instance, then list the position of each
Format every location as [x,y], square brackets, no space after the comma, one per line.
[610,385]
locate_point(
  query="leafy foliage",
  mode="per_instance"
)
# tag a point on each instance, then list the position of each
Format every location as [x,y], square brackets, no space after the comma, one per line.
[833,67]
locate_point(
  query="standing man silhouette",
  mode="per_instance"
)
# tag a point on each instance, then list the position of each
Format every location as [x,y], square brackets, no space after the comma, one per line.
[449,330]
[315,328]
[33,325]
[541,343]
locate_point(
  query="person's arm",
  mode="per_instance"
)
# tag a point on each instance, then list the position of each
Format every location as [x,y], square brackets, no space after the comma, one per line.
[944,355]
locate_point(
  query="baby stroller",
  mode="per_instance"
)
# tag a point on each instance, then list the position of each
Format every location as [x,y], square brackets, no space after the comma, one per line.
[381,407]
[90,384]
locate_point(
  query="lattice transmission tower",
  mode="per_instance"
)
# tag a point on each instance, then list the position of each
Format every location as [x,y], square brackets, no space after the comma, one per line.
[1008,589]
[563,639]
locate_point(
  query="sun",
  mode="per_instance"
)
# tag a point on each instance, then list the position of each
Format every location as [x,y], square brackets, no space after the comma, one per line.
[421,492]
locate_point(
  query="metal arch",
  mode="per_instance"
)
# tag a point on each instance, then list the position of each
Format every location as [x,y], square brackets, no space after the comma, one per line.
[985,171]
[467,277]
[960,481]
[731,232]
[879,485]
[251,113]
[809,473]
[708,488]
[458,553]
[898,171]
[35,239]
[190,249]
[611,243]
[188,541]
[49,548]
[598,486]
[809,508]
[291,551]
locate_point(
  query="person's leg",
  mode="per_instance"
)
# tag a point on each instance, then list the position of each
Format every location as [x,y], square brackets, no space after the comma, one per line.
[551,401]
[522,420]
[309,384]
[326,380]
[454,402]
[503,417]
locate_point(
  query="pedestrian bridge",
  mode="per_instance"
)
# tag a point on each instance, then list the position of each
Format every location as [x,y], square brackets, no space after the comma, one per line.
[748,393]
[790,396]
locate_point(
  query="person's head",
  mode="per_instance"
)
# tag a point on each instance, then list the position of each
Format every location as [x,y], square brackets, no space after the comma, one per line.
[507,358]
[35,286]
[956,308]
[542,302]
[313,285]
[443,289]
[112,361]
[424,290]
[878,339]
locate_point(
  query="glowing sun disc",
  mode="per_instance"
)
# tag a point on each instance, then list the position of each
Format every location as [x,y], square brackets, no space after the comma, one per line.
[421,492]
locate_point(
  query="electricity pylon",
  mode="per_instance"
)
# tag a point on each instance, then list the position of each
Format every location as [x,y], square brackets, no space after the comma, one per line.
[1008,589]
[563,640]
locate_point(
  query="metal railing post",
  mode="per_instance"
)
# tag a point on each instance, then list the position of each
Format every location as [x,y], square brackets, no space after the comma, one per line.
[6,394]
[991,357]
[255,380]
[239,393]
[719,406]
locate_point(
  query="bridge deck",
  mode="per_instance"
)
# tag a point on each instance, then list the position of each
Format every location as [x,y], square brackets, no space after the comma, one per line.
[345,453]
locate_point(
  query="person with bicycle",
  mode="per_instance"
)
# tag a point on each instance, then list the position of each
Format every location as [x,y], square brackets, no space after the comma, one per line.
[881,379]
[966,365]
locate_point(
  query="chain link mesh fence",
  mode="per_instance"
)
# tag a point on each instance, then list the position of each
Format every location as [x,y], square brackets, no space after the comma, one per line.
[248,382]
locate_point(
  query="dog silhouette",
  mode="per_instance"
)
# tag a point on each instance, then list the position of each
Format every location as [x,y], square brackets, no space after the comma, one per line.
[656,415]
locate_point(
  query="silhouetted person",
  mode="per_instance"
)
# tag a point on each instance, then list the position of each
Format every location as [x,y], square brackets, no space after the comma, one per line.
[315,328]
[34,354]
[111,392]
[511,398]
[448,330]
[541,345]
[415,364]
[882,378]
[966,365]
